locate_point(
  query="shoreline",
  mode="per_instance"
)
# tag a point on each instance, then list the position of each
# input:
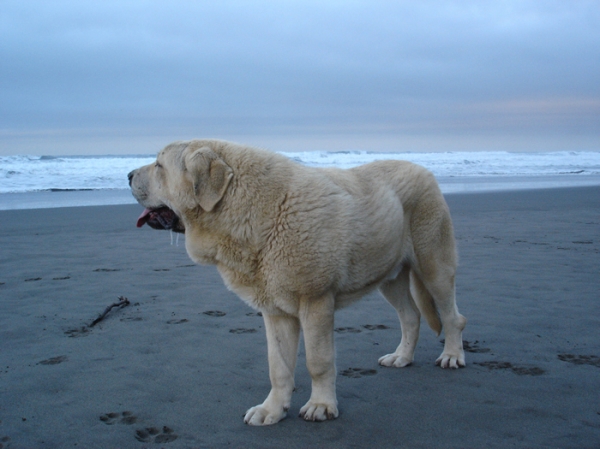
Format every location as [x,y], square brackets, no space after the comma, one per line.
[449,185]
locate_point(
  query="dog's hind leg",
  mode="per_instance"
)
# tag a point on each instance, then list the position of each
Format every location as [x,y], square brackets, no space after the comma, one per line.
[440,284]
[453,324]
[398,294]
[282,341]
[435,268]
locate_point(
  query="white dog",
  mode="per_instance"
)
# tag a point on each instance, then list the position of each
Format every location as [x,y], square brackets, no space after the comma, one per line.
[297,243]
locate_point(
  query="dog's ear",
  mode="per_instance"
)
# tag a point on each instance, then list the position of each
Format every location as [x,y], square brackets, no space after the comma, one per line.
[209,174]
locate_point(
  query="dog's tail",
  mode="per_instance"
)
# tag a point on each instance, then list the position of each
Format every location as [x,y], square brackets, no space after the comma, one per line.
[425,303]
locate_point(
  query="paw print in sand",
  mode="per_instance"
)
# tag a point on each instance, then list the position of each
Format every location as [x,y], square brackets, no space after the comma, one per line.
[4,443]
[123,418]
[153,434]
[355,373]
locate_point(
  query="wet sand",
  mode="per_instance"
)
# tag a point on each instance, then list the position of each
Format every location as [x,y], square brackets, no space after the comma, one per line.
[181,364]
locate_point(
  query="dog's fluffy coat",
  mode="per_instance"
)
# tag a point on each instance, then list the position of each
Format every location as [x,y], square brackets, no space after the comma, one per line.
[297,243]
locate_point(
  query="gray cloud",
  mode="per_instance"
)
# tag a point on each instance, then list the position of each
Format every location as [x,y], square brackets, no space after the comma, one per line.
[122,76]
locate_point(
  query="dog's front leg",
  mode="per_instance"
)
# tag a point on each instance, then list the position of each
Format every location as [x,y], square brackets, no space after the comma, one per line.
[282,342]
[316,318]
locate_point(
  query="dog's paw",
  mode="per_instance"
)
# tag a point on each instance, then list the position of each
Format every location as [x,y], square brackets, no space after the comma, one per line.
[452,360]
[395,360]
[319,411]
[263,416]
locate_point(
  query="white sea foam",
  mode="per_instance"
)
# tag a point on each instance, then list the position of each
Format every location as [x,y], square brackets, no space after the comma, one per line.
[469,163]
[35,173]
[33,182]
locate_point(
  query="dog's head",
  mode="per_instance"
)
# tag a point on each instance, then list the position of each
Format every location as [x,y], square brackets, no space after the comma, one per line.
[187,176]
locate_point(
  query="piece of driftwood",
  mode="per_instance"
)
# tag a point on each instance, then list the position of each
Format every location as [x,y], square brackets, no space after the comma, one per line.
[123,302]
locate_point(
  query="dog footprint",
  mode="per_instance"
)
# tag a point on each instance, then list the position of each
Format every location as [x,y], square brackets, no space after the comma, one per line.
[471,347]
[474,347]
[254,314]
[161,269]
[495,365]
[175,321]
[123,418]
[347,330]
[106,270]
[242,330]
[528,370]
[33,279]
[580,359]
[520,370]
[4,442]
[54,360]
[355,373]
[216,313]
[373,327]
[149,434]
[61,278]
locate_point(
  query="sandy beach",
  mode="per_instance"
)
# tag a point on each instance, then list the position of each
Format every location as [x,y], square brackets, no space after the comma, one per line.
[179,366]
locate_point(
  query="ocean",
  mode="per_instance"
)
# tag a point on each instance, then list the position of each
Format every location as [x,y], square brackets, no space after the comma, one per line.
[49,181]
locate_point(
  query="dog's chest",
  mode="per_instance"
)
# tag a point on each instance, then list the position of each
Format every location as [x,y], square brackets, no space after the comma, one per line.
[253,291]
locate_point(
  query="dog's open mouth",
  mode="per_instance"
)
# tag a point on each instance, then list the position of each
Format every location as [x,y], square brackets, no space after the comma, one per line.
[161,218]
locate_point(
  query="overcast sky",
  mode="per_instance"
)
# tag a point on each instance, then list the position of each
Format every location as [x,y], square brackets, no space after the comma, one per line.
[124,77]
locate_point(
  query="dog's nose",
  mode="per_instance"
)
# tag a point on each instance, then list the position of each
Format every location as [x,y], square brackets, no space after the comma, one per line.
[130,176]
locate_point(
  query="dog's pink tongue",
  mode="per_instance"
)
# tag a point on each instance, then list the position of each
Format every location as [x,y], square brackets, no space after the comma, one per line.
[141,221]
